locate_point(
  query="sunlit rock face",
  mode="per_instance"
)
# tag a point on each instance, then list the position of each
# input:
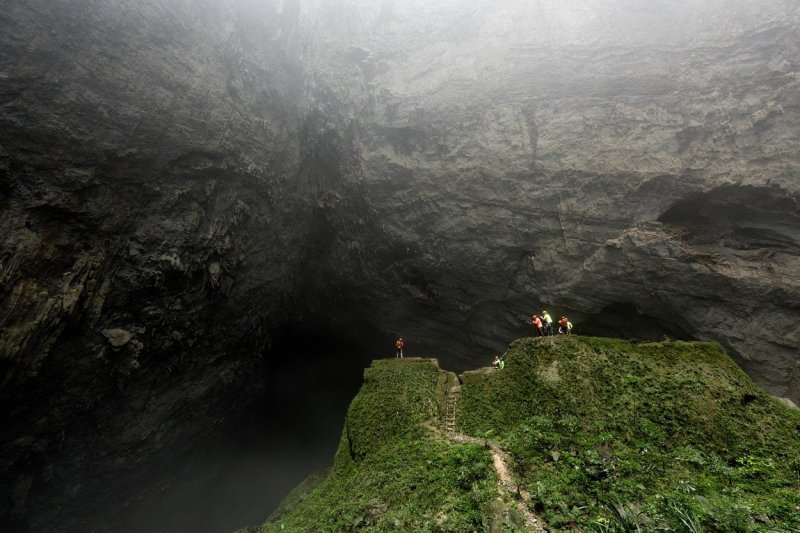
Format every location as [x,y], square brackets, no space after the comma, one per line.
[181,180]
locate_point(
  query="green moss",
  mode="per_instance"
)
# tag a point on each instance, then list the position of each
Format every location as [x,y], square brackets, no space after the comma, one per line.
[596,425]
[604,434]
[390,471]
[397,396]
[424,484]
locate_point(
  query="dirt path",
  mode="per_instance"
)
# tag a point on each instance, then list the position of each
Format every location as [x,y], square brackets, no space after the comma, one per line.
[506,484]
[507,488]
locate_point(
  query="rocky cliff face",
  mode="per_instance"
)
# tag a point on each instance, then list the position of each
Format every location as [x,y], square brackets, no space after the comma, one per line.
[584,158]
[180,181]
[151,153]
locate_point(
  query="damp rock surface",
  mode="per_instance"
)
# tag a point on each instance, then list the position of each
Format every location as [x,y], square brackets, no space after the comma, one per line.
[204,175]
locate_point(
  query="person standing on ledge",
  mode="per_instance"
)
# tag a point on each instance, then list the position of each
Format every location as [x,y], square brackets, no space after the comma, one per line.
[564,326]
[548,322]
[399,345]
[537,323]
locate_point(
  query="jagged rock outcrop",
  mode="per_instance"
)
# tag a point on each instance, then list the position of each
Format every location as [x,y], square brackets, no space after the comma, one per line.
[202,174]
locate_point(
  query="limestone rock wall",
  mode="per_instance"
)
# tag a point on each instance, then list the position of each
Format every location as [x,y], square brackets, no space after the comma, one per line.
[153,204]
[579,157]
[180,180]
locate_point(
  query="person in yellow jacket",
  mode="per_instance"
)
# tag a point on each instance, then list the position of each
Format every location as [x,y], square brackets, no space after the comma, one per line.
[548,322]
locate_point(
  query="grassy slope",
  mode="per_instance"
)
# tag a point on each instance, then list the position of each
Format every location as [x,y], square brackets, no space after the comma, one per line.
[604,434]
[390,472]
[607,434]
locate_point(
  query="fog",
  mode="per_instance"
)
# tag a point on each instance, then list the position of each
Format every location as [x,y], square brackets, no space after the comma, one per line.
[237,478]
[544,22]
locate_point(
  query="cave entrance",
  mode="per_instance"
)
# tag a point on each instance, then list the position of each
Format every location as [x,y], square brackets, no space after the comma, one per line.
[625,321]
[737,217]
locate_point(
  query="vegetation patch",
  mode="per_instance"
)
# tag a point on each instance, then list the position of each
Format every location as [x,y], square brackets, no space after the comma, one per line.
[395,399]
[392,472]
[651,436]
[604,435]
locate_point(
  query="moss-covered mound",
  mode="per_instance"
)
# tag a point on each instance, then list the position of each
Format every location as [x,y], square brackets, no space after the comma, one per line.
[604,435]
[392,471]
[609,435]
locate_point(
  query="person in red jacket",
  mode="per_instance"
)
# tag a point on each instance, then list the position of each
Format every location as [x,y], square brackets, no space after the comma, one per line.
[399,345]
[537,323]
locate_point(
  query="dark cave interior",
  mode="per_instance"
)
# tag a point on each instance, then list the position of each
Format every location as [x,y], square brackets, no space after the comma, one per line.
[625,321]
[739,218]
[253,454]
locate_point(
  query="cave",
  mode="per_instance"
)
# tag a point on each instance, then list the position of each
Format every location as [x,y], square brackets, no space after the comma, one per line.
[625,321]
[738,217]
[215,214]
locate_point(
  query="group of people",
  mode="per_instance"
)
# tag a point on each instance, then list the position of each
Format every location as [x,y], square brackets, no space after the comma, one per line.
[543,324]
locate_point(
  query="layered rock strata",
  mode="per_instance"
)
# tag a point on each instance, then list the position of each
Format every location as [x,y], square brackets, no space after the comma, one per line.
[180,181]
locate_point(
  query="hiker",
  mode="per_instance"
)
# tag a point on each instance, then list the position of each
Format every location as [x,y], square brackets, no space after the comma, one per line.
[564,325]
[502,363]
[537,323]
[548,322]
[399,345]
[496,362]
